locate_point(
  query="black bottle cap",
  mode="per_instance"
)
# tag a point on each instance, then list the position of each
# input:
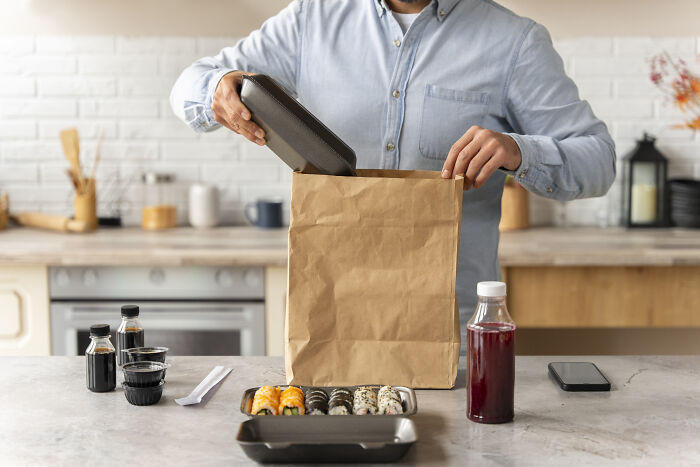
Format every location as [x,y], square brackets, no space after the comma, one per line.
[130,311]
[99,330]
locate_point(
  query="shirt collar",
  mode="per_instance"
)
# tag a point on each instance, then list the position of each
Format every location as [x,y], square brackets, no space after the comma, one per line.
[444,7]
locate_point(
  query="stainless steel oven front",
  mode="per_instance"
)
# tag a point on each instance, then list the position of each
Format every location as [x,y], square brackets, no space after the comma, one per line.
[191,310]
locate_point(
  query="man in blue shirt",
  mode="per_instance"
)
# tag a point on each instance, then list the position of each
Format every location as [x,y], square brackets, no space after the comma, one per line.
[459,86]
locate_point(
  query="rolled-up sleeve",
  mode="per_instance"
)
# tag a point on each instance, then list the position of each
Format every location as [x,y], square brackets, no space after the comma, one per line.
[273,50]
[567,153]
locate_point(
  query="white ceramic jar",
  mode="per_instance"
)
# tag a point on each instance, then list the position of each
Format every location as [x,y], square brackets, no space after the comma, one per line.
[204,206]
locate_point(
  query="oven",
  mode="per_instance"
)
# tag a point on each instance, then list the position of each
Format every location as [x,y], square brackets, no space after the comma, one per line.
[192,310]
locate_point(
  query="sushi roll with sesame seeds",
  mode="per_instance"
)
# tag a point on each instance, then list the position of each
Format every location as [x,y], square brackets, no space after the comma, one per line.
[316,401]
[389,401]
[364,401]
[340,402]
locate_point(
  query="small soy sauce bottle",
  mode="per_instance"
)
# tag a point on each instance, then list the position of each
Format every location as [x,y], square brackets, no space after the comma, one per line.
[130,332]
[100,358]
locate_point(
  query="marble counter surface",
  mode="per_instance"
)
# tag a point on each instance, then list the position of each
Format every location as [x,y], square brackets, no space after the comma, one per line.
[133,246]
[651,417]
[251,246]
[600,247]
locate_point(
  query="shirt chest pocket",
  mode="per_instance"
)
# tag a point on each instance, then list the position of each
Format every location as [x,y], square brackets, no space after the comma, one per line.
[446,115]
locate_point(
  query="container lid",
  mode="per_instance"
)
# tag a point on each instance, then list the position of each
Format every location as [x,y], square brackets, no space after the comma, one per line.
[99,330]
[491,289]
[130,311]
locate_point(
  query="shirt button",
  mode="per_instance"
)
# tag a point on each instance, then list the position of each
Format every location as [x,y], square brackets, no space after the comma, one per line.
[390,147]
[523,173]
[442,13]
[396,93]
[549,189]
[397,42]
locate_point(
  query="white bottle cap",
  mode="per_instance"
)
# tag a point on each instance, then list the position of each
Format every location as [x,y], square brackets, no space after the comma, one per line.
[491,289]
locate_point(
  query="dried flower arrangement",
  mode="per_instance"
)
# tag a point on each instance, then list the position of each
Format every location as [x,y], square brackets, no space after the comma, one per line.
[674,79]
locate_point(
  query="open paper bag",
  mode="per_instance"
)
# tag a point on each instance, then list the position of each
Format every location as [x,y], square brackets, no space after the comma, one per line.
[371,287]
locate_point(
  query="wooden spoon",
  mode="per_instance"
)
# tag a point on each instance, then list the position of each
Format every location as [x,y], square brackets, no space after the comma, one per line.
[71,149]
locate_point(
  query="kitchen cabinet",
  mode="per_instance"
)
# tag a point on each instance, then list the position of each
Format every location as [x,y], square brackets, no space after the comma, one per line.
[275,309]
[24,310]
[604,296]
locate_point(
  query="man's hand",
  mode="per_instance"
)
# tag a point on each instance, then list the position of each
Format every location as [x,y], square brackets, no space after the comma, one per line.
[230,111]
[478,154]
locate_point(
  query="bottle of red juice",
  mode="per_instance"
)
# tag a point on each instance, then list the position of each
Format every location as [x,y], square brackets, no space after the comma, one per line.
[490,357]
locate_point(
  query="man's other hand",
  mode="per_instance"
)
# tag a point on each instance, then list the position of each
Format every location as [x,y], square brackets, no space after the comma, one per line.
[478,154]
[230,111]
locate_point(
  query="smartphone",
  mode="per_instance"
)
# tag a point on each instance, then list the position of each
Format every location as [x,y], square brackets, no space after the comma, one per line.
[578,376]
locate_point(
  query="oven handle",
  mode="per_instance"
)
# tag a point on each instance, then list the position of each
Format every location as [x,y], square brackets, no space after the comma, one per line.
[167,315]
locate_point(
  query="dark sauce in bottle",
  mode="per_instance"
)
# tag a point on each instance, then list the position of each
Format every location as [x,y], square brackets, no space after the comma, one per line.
[490,372]
[128,339]
[101,370]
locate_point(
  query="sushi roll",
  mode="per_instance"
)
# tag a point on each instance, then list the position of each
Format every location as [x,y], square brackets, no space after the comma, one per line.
[291,402]
[389,401]
[316,401]
[266,401]
[340,402]
[364,401]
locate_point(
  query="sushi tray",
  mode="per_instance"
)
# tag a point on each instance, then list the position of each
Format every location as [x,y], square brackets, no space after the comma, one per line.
[353,401]
[325,439]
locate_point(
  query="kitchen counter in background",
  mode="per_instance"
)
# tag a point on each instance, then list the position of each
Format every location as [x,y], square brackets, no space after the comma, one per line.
[571,279]
[49,417]
[228,246]
[251,246]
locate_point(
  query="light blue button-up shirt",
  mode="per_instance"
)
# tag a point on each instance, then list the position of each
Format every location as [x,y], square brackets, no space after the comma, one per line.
[401,101]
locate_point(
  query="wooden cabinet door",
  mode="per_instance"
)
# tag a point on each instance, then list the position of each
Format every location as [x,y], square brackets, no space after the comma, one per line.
[24,310]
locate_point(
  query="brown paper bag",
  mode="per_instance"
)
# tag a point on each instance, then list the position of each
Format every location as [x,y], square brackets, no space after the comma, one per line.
[371,286]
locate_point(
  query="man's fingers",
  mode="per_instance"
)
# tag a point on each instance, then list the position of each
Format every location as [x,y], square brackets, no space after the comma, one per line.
[487,170]
[485,153]
[466,155]
[246,125]
[448,167]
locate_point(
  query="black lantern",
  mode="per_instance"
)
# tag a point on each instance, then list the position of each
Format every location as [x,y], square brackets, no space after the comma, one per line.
[644,194]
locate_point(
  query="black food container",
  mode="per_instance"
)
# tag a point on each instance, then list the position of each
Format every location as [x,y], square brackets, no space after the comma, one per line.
[326,439]
[143,396]
[144,374]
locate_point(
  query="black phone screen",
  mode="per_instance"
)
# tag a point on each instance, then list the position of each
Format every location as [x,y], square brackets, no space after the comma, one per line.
[578,376]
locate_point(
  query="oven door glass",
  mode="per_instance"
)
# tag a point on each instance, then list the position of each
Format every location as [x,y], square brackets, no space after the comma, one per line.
[198,328]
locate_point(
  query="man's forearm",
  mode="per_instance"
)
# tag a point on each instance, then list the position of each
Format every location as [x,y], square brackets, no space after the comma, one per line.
[576,167]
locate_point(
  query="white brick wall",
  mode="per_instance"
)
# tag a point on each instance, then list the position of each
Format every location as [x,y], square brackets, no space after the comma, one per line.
[120,85]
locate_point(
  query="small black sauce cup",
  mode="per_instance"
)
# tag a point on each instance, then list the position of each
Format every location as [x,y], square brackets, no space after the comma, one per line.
[145,354]
[143,374]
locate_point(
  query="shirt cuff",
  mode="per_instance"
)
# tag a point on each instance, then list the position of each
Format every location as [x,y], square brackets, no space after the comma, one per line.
[525,172]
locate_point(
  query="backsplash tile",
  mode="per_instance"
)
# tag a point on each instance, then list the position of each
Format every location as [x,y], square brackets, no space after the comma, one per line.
[120,86]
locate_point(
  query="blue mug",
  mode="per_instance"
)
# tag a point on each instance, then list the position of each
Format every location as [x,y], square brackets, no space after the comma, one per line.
[268,213]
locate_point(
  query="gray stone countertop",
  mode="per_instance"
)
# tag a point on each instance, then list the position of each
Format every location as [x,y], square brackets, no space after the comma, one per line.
[651,417]
[251,246]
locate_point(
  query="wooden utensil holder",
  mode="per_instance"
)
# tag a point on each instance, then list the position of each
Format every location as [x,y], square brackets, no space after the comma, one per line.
[515,208]
[85,205]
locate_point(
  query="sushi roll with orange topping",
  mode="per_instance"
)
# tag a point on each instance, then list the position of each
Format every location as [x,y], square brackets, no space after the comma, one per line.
[266,401]
[291,402]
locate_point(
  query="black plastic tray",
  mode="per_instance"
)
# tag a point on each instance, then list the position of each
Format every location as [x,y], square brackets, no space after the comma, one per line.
[408,401]
[326,439]
[292,132]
